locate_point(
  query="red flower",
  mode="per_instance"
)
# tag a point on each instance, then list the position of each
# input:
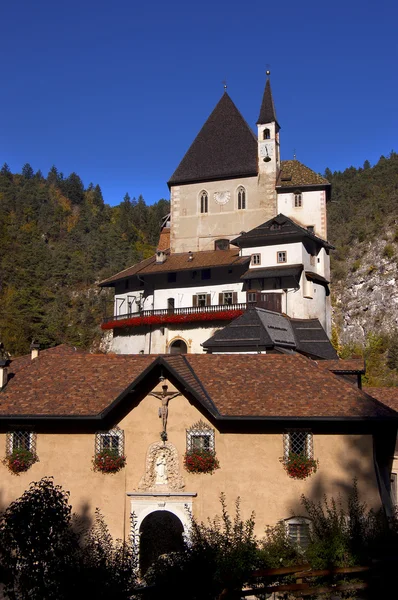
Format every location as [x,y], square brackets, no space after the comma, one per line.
[20,460]
[108,461]
[201,461]
[219,315]
[299,466]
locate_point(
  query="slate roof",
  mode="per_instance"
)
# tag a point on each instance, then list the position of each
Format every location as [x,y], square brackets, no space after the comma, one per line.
[294,174]
[267,110]
[260,329]
[268,386]
[278,230]
[225,147]
[180,262]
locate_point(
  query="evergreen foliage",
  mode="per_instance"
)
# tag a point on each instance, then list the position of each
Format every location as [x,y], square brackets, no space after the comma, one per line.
[58,240]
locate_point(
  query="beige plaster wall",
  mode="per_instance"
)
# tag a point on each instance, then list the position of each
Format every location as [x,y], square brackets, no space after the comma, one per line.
[191,230]
[250,468]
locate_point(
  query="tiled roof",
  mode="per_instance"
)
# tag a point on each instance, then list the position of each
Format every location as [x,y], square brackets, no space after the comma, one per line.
[231,386]
[224,147]
[278,230]
[294,174]
[288,386]
[388,396]
[267,110]
[181,262]
[348,366]
[261,329]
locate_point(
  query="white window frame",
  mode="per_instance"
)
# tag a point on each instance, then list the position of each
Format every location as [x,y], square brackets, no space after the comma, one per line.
[289,442]
[13,437]
[229,294]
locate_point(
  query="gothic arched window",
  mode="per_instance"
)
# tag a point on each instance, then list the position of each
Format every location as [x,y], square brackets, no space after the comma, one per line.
[204,201]
[241,198]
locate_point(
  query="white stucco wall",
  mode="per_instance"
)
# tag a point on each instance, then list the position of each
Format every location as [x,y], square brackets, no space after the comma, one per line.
[312,211]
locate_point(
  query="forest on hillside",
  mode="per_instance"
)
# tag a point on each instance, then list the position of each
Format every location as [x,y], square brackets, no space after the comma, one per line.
[57,240]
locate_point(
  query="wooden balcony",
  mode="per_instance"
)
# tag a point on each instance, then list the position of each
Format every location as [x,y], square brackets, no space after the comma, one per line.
[163,316]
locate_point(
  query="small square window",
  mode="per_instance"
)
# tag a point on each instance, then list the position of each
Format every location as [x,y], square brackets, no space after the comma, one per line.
[298,441]
[112,440]
[281,256]
[298,530]
[21,440]
[256,259]
[206,274]
[200,437]
[171,277]
[251,297]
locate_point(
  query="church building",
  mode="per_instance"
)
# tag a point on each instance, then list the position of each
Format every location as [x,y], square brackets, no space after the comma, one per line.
[245,230]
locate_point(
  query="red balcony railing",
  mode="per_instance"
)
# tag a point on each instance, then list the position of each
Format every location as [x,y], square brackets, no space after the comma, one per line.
[163,316]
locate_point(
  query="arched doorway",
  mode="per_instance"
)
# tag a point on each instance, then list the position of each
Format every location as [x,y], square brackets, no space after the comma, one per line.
[160,533]
[178,347]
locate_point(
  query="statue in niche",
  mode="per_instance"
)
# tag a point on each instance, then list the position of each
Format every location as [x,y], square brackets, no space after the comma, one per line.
[161,469]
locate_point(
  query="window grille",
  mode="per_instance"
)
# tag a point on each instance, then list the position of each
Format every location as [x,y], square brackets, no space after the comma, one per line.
[298,442]
[200,437]
[21,440]
[241,198]
[298,530]
[110,440]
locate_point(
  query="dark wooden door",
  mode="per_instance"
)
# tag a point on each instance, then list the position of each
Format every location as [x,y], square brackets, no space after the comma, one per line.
[268,301]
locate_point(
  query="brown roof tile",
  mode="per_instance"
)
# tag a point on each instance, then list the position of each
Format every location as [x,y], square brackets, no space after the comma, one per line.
[388,396]
[294,174]
[261,386]
[349,365]
[180,262]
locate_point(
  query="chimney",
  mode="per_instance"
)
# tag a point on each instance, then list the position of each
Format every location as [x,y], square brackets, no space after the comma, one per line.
[35,349]
[3,373]
[160,257]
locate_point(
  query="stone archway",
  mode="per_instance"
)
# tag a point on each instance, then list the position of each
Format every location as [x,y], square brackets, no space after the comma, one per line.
[178,346]
[160,533]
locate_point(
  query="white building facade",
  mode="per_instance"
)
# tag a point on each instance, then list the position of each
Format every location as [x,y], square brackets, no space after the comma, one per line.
[245,229]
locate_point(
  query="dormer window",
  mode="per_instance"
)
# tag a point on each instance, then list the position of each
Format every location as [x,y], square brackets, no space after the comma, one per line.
[298,200]
[266,134]
[241,198]
[204,202]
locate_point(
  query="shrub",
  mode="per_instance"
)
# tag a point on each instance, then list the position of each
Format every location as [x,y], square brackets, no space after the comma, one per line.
[355,265]
[277,549]
[388,251]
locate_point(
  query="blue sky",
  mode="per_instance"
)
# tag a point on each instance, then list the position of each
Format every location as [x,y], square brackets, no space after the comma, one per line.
[116,91]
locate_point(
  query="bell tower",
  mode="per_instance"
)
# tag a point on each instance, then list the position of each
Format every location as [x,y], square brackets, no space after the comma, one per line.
[268,136]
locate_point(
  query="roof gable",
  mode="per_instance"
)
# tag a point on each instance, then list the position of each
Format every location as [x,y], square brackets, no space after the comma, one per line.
[83,386]
[276,230]
[225,147]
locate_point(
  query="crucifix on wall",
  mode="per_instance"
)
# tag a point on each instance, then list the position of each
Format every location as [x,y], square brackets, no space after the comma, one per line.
[164,396]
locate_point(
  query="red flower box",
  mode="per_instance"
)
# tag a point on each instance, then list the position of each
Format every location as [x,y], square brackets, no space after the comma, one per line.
[20,460]
[201,461]
[219,315]
[108,461]
[299,466]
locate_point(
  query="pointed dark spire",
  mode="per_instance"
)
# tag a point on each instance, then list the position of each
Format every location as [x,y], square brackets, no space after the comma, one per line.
[267,110]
